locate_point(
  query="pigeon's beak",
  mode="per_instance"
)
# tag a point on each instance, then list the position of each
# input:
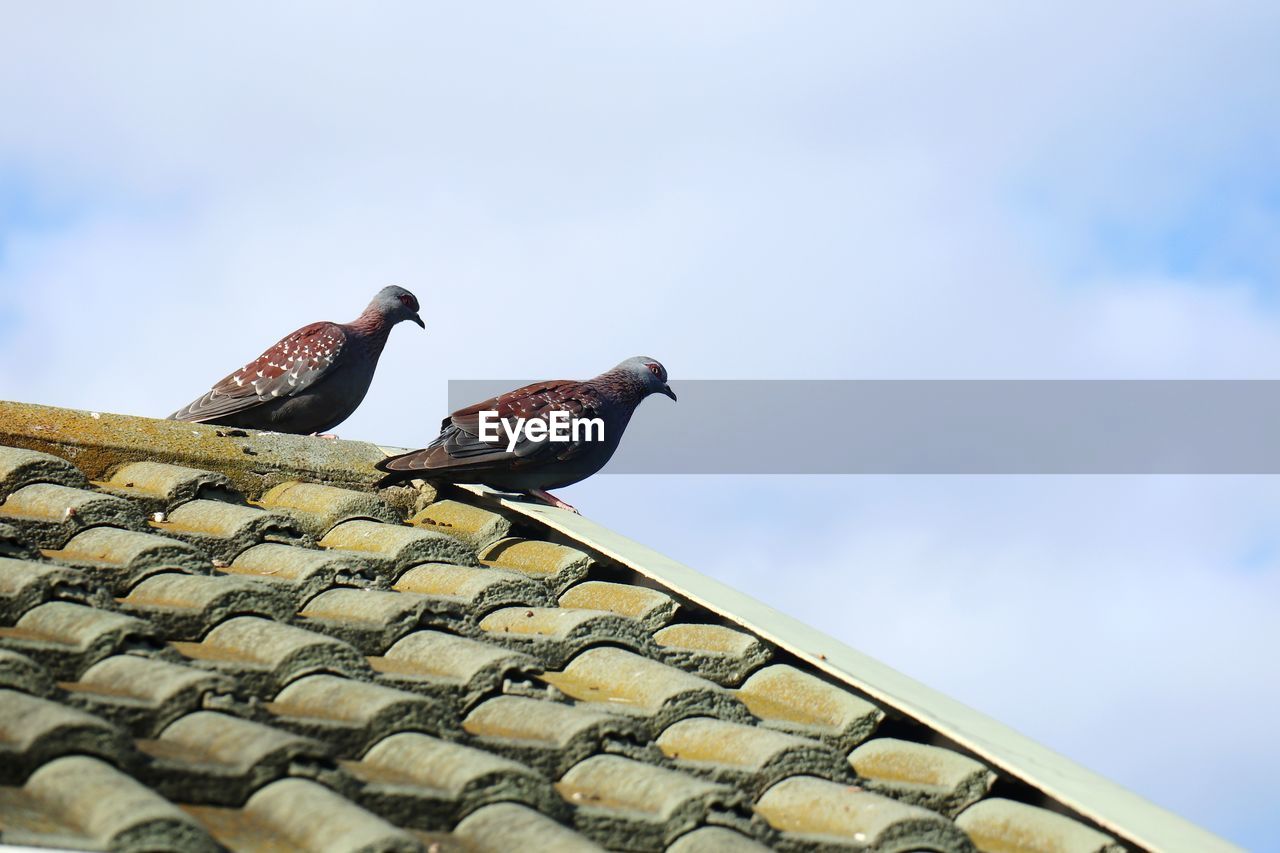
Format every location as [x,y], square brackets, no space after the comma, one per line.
[417,319]
[666,389]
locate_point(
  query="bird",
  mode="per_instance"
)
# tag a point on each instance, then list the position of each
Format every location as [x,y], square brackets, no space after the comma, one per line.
[311,380]
[467,452]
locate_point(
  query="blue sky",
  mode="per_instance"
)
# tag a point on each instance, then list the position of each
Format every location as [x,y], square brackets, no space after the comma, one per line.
[746,190]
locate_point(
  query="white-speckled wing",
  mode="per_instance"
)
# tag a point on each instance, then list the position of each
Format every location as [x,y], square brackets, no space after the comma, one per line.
[292,365]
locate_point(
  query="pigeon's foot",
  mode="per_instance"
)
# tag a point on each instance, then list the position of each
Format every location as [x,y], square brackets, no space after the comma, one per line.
[329,435]
[547,497]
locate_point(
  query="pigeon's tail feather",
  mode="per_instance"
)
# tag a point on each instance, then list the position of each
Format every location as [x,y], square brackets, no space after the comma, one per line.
[405,466]
[393,478]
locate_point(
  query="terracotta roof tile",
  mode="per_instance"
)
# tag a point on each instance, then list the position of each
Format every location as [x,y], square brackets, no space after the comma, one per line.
[264,655]
[21,467]
[49,514]
[204,646]
[748,756]
[423,782]
[446,665]
[119,559]
[551,736]
[558,566]
[400,545]
[20,672]
[185,607]
[1005,826]
[626,682]
[297,814]
[26,583]
[721,654]
[478,527]
[715,839]
[631,805]
[219,759]
[159,487]
[786,698]
[476,591]
[304,572]
[144,694]
[80,801]
[34,731]
[923,775]
[556,634]
[373,620]
[225,530]
[318,508]
[353,715]
[650,607]
[69,638]
[507,826]
[808,811]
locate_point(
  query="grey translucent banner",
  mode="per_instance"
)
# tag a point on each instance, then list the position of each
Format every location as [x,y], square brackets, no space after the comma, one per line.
[946,427]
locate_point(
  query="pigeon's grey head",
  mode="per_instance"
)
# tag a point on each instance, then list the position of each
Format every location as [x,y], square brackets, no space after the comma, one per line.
[394,304]
[650,373]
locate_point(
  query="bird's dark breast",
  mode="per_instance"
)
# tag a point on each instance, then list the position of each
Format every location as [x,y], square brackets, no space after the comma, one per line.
[537,475]
[540,478]
[301,415]
[318,409]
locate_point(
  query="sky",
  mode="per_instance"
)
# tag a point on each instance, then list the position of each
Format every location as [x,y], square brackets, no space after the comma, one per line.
[745,191]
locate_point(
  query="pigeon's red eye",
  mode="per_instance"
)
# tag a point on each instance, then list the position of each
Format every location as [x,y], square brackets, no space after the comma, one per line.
[655,370]
[409,302]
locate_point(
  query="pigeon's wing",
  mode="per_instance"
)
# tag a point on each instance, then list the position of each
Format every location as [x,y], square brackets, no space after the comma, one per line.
[460,449]
[292,365]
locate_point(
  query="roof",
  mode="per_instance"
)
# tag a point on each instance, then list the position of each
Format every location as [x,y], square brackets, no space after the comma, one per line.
[210,639]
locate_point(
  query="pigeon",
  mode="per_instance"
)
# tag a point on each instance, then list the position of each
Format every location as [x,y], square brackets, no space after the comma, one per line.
[473,448]
[311,380]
